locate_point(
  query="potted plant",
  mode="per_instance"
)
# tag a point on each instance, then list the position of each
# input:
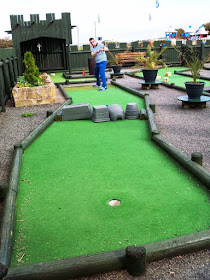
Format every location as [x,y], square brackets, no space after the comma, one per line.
[192,60]
[115,62]
[150,64]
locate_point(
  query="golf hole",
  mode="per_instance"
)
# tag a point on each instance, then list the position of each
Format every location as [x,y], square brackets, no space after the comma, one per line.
[114,202]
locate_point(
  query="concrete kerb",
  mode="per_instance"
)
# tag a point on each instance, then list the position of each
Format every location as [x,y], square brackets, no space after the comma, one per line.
[81,266]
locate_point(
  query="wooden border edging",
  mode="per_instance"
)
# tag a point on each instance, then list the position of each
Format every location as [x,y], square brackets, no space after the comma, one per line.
[32,136]
[102,262]
[109,261]
[7,227]
[152,124]
[69,82]
[133,91]
[201,173]
[181,73]
[65,94]
[170,85]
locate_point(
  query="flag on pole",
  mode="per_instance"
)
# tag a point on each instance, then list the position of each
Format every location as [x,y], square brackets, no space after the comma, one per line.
[157,4]
[99,20]
[150,17]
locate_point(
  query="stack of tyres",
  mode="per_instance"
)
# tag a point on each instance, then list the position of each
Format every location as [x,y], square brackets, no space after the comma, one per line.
[132,111]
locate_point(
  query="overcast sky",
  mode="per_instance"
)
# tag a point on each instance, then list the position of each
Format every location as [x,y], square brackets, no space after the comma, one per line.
[120,20]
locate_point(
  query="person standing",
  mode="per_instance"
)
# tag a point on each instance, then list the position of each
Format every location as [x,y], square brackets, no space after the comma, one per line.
[98,50]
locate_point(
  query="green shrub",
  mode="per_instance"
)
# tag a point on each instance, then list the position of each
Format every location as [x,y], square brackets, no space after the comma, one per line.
[31,73]
[27,115]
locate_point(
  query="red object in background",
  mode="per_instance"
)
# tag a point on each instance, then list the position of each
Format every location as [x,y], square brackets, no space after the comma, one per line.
[83,72]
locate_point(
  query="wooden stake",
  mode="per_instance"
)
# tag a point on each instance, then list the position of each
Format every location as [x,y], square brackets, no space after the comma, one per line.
[136,260]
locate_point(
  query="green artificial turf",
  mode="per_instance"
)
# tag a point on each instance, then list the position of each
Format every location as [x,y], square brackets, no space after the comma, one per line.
[71,172]
[178,80]
[113,95]
[58,78]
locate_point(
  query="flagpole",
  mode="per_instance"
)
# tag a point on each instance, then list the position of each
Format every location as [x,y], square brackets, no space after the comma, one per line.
[95,29]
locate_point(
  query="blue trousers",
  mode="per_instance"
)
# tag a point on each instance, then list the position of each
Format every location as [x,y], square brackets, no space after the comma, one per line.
[100,73]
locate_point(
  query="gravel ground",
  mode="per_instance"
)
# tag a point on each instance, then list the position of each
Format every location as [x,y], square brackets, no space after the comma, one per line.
[186,129]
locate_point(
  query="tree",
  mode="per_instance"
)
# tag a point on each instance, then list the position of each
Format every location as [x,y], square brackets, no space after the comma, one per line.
[207,26]
[31,73]
[5,43]
[180,31]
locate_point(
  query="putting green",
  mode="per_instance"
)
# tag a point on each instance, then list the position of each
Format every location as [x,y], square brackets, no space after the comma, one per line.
[178,80]
[113,95]
[58,78]
[71,172]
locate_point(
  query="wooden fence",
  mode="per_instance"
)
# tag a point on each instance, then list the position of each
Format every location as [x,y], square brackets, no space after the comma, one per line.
[8,75]
[79,60]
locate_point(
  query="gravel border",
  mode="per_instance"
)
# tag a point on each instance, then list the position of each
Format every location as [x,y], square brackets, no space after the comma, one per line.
[186,129]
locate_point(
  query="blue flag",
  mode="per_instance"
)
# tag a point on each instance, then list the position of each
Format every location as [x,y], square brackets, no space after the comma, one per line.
[150,17]
[157,3]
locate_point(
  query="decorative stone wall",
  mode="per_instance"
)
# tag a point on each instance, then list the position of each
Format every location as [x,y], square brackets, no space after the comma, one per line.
[31,96]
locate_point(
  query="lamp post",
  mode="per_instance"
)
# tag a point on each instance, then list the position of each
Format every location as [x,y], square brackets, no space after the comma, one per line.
[78,35]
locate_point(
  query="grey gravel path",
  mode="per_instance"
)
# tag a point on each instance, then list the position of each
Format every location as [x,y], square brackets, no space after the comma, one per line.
[189,130]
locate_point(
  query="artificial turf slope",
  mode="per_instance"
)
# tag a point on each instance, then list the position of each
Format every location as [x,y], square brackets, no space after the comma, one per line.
[71,172]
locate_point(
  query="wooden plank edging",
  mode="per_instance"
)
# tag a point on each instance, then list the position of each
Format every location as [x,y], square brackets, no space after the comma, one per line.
[109,261]
[34,134]
[198,171]
[7,228]
[133,91]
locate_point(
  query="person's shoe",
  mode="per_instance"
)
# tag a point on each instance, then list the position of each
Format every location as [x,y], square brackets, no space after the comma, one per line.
[96,86]
[103,89]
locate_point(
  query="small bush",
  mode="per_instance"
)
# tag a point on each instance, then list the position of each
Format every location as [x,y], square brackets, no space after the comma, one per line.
[31,73]
[27,115]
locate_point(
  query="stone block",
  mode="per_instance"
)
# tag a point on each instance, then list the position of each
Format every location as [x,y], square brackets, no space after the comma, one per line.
[76,112]
[30,96]
[100,113]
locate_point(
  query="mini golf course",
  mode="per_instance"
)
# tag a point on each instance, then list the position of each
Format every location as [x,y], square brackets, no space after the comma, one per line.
[71,172]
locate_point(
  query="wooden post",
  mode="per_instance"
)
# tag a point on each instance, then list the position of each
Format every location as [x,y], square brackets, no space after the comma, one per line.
[197,157]
[50,112]
[58,117]
[2,88]
[3,190]
[143,114]
[136,260]
[11,72]
[3,270]
[152,106]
